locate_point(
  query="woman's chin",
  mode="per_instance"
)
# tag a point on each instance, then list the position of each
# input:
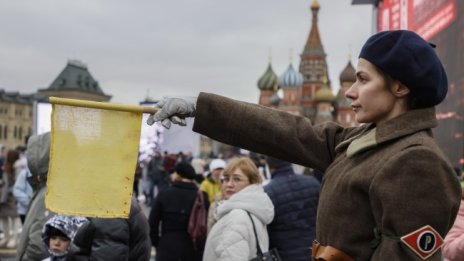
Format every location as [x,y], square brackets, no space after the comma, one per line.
[228,195]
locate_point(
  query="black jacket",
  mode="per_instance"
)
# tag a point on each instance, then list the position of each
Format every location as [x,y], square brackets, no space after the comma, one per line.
[114,238]
[169,217]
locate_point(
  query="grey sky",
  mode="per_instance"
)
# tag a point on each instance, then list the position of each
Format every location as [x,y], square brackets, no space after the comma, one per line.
[170,47]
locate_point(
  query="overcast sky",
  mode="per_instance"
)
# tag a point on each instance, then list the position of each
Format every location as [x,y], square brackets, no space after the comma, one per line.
[171,47]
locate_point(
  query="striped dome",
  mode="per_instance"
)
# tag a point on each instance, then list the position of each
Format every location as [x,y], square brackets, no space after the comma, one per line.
[290,78]
[269,80]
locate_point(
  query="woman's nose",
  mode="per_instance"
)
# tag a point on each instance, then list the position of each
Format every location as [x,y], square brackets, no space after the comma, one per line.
[351,92]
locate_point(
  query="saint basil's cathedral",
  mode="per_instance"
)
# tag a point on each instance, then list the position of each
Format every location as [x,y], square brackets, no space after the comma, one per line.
[308,92]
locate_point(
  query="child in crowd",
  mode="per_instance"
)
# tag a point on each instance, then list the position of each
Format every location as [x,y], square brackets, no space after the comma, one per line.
[58,233]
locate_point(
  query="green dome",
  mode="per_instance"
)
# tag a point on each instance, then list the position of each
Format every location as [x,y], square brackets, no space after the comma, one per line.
[269,80]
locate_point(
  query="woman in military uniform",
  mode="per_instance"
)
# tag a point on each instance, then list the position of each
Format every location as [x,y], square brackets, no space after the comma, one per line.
[388,193]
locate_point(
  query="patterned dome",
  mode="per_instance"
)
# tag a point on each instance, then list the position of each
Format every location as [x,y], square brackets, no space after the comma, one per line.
[269,80]
[290,78]
[324,95]
[348,74]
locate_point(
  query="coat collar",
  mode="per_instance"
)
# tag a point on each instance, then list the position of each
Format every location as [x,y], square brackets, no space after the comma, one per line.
[403,125]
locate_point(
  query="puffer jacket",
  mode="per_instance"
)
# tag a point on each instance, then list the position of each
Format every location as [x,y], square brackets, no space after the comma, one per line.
[232,237]
[114,238]
[453,248]
[295,200]
[31,246]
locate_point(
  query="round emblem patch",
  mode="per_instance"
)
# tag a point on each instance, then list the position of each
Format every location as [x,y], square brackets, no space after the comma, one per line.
[426,241]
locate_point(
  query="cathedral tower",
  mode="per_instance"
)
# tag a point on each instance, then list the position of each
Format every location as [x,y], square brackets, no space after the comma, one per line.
[313,66]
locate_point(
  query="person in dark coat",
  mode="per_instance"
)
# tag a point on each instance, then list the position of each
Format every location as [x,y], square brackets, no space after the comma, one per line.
[114,238]
[295,198]
[169,217]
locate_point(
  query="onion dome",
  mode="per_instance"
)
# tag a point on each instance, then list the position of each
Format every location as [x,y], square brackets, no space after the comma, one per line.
[315,5]
[290,78]
[275,100]
[269,80]
[324,95]
[348,74]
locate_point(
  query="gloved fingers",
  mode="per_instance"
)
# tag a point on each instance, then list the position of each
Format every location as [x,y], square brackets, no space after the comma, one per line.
[161,103]
[166,123]
[178,120]
[151,119]
[161,115]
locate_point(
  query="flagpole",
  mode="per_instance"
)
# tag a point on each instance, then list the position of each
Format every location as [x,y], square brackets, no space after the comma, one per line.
[102,105]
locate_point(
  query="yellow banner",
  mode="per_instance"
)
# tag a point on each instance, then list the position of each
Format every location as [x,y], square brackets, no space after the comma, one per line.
[93,156]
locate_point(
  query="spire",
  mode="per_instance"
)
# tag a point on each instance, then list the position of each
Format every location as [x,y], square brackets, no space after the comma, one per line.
[270,55]
[291,55]
[313,43]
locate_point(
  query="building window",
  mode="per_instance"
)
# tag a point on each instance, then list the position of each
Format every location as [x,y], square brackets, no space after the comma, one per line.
[5,132]
[20,132]
[1,132]
[15,132]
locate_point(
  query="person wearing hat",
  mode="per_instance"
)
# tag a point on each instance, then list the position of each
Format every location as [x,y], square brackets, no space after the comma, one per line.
[211,184]
[388,192]
[169,217]
[58,233]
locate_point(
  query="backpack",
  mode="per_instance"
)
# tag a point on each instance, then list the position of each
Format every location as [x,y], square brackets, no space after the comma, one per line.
[197,222]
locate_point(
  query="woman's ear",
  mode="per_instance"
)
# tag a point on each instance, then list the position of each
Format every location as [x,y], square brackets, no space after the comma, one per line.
[399,90]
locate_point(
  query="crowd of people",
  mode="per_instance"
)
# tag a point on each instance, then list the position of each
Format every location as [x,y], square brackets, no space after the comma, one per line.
[283,211]
[387,191]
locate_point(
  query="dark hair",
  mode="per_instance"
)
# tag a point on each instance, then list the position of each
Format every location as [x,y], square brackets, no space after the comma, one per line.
[388,80]
[11,157]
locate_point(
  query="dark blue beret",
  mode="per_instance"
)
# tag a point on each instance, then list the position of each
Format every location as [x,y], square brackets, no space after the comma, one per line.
[408,58]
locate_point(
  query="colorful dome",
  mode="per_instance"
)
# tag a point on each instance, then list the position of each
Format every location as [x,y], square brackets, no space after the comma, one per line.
[290,78]
[348,74]
[324,95]
[269,80]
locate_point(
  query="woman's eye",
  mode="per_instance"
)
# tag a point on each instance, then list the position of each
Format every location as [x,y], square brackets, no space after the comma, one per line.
[237,179]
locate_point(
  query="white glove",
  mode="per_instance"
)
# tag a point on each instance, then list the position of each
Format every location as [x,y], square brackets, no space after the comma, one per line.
[174,110]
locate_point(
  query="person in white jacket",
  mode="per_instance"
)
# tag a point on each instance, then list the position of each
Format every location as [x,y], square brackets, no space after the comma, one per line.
[232,236]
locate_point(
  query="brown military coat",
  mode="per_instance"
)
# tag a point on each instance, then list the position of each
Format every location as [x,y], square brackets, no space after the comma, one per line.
[392,177]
